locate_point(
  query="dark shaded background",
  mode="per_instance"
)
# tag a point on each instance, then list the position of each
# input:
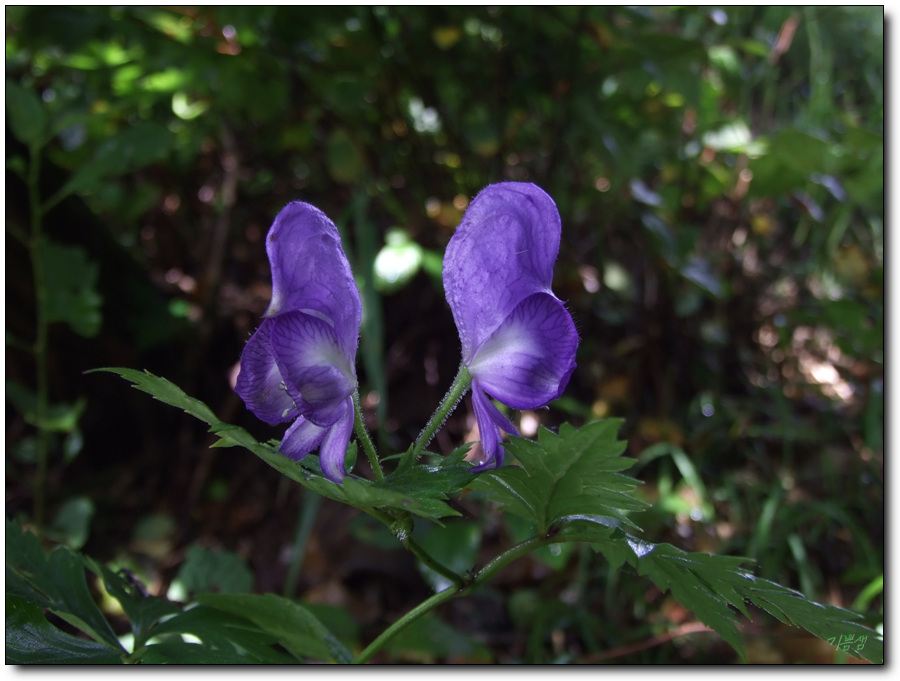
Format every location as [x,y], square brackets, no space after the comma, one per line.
[719,173]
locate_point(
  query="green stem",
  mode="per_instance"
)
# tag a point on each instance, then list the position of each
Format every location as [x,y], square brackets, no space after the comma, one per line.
[460,385]
[466,587]
[40,341]
[359,426]
[305,522]
[433,564]
[422,608]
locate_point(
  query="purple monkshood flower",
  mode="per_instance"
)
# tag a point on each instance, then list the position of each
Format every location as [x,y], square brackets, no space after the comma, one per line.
[300,363]
[518,339]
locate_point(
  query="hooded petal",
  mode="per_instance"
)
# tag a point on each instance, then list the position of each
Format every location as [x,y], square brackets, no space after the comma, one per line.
[529,358]
[260,383]
[334,447]
[316,366]
[490,423]
[301,438]
[310,271]
[304,436]
[502,252]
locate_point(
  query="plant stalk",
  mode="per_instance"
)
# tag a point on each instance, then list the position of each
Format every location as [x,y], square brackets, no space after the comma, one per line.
[466,587]
[460,385]
[359,426]
[39,348]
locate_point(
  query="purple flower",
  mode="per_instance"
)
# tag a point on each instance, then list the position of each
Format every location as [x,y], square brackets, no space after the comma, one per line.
[300,363]
[518,339]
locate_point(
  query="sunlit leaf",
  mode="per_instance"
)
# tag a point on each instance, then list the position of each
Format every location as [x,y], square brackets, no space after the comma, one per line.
[571,474]
[31,639]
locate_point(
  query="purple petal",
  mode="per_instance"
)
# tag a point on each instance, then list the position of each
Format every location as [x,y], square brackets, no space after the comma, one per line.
[502,251]
[529,358]
[260,383]
[310,271]
[316,366]
[301,438]
[334,447]
[490,423]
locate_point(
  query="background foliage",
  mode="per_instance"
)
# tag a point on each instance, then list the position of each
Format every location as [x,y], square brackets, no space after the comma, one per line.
[719,173]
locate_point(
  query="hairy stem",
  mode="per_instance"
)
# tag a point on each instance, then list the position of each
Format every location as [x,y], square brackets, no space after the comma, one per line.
[460,385]
[359,426]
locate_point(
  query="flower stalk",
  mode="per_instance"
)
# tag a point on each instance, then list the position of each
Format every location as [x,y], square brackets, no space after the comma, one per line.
[359,426]
[466,587]
[457,390]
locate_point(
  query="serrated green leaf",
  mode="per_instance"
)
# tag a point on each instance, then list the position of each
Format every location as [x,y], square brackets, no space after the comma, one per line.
[31,639]
[414,492]
[164,391]
[572,474]
[716,588]
[366,494]
[825,621]
[292,625]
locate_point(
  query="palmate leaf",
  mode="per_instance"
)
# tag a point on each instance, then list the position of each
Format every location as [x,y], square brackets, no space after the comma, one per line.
[572,475]
[426,501]
[217,637]
[717,588]
[31,639]
[289,623]
[54,582]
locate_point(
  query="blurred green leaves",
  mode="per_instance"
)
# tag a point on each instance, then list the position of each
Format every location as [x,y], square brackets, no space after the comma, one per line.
[217,628]
[71,281]
[26,113]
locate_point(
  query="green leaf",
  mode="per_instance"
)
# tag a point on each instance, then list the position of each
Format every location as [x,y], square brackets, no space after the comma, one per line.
[27,118]
[292,625]
[31,639]
[71,285]
[343,159]
[403,493]
[566,476]
[218,571]
[60,417]
[54,582]
[217,637]
[135,147]
[72,523]
[164,391]
[143,611]
[431,638]
[716,589]
[455,546]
